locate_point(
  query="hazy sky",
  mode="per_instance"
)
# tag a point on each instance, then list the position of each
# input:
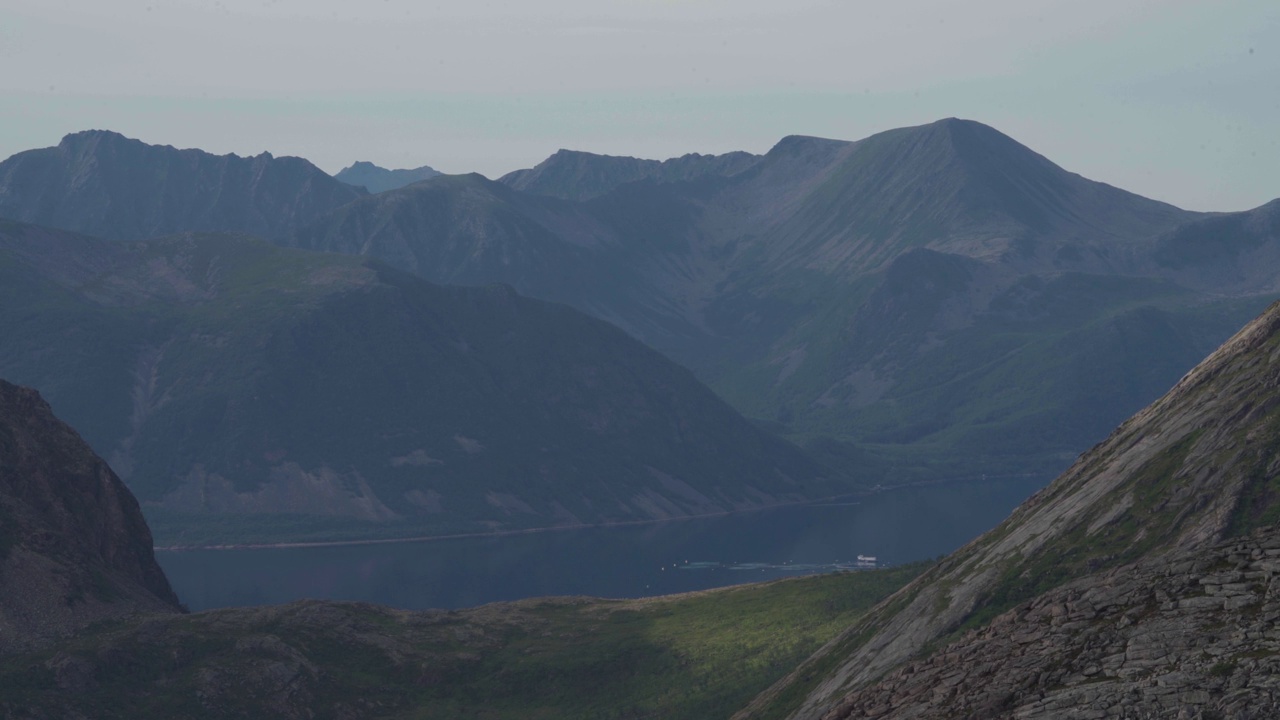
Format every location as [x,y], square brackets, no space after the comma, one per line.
[1175,100]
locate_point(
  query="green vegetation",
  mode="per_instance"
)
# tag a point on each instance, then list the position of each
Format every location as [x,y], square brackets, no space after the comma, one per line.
[699,655]
[1049,370]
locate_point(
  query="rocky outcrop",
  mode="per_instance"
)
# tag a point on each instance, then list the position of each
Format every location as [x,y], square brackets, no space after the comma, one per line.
[74,548]
[1188,636]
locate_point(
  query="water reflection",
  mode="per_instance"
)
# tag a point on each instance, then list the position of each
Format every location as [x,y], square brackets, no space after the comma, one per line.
[897,526]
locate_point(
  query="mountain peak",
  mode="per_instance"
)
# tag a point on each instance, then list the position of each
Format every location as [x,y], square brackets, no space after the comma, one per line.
[377,179]
[792,145]
[102,183]
[86,139]
[93,134]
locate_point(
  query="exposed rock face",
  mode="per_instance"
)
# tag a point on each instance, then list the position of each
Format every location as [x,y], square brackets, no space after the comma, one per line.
[1199,465]
[74,548]
[105,184]
[1189,636]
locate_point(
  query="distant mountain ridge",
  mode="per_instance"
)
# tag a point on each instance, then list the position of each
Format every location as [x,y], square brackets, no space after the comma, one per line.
[377,179]
[329,396]
[74,548]
[576,175]
[841,288]
[940,300]
[104,184]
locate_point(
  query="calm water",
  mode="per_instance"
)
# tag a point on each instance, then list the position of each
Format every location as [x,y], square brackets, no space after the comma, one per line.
[898,526]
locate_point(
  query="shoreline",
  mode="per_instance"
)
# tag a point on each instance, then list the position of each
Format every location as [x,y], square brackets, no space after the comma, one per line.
[581,526]
[495,533]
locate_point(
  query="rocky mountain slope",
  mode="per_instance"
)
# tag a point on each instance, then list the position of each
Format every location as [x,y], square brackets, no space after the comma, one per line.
[1197,467]
[1188,635]
[247,392]
[379,179]
[104,184]
[574,175]
[74,548]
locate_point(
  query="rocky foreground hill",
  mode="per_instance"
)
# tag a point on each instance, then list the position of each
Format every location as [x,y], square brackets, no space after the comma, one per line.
[1198,467]
[1190,634]
[74,548]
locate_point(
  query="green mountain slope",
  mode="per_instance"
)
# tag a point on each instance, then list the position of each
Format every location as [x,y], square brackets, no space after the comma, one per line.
[250,393]
[1196,467]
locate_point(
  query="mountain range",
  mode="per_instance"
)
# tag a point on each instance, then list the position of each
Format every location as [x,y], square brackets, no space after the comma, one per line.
[940,297]
[104,184]
[251,393]
[925,303]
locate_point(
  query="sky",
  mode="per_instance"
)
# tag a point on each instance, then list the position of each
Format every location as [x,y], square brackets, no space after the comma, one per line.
[1172,99]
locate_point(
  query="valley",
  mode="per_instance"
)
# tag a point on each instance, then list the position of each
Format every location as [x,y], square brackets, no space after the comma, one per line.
[916,315]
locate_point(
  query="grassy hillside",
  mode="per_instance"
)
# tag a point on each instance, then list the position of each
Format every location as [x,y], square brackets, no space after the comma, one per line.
[694,656]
